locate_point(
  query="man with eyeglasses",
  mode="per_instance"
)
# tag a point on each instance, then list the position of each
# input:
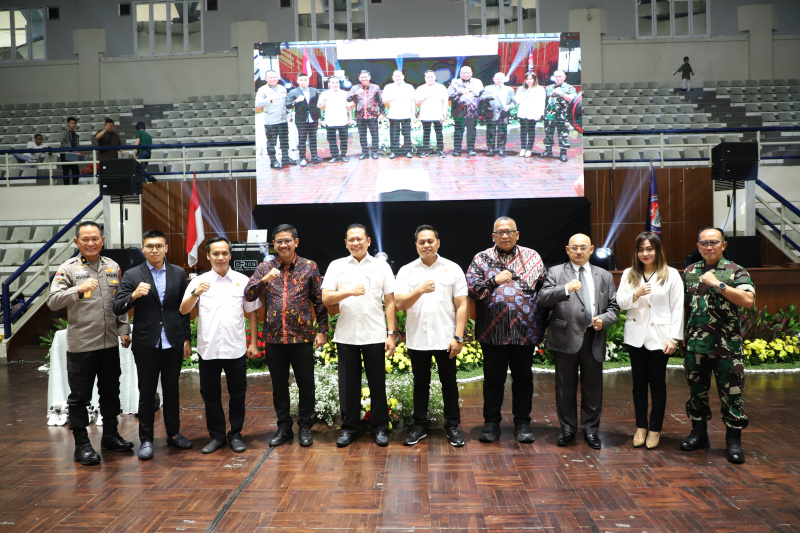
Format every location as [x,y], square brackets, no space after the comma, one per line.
[505,281]
[290,286]
[583,298]
[560,95]
[161,337]
[363,287]
[86,285]
[716,289]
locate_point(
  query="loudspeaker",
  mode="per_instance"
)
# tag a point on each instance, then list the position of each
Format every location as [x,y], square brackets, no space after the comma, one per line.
[570,40]
[126,258]
[745,251]
[728,151]
[245,257]
[734,170]
[120,177]
[269,49]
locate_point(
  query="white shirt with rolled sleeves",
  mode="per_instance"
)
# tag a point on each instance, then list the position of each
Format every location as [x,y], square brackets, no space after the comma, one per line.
[362,319]
[434,105]
[399,98]
[655,317]
[221,332]
[431,321]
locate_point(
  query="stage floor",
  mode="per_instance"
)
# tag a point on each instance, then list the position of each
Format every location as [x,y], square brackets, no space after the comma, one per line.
[503,486]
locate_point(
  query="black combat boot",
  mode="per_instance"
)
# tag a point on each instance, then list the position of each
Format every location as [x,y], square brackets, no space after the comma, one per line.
[548,152]
[698,438]
[84,453]
[563,155]
[733,440]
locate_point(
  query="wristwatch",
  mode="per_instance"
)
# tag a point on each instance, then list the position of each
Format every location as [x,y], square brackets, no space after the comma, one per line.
[392,332]
[195,295]
[721,286]
[459,340]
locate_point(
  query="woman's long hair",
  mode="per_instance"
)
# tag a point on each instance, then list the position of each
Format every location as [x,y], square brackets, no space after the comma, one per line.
[637,267]
[535,81]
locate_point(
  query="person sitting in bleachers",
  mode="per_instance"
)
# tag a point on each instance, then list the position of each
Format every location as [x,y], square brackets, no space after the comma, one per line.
[34,157]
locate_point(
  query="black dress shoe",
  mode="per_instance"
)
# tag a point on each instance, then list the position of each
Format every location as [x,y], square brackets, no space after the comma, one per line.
[288,161]
[237,444]
[374,155]
[213,446]
[333,160]
[316,160]
[698,438]
[456,153]
[416,434]
[489,153]
[306,439]
[276,165]
[392,155]
[409,154]
[524,433]
[344,159]
[592,440]
[501,153]
[490,432]
[363,156]
[565,437]
[179,441]
[381,438]
[346,437]
[115,443]
[281,436]
[472,153]
[454,436]
[563,157]
[146,451]
[85,454]
[547,153]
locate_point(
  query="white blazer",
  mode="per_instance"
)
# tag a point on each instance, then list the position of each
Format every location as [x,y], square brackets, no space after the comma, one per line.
[656,317]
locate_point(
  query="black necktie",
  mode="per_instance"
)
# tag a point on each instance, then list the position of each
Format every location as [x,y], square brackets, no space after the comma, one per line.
[586,296]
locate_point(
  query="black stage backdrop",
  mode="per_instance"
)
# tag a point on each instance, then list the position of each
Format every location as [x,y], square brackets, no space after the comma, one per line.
[465,226]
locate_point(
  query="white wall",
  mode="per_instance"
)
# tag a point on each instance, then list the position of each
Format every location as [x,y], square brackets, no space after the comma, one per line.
[39,82]
[785,53]
[51,203]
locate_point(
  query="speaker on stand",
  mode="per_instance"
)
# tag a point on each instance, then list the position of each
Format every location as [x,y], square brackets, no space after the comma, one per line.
[734,161]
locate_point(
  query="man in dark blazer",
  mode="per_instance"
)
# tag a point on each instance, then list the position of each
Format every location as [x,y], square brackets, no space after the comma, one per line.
[583,299]
[161,336]
[306,115]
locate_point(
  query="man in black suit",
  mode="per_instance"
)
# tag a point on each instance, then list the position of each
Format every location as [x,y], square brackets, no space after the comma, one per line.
[584,303]
[306,115]
[161,335]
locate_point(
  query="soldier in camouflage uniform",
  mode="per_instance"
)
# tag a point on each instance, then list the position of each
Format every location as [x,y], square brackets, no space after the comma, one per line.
[715,290]
[559,96]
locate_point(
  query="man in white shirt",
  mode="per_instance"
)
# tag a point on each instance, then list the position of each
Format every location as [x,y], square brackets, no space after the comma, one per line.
[363,286]
[400,100]
[432,100]
[271,98]
[221,342]
[336,107]
[35,144]
[433,291]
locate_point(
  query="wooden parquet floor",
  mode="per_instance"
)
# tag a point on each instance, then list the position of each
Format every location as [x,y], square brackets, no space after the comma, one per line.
[431,487]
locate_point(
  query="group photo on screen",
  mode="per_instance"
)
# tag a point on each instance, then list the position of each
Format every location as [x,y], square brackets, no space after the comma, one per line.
[427,118]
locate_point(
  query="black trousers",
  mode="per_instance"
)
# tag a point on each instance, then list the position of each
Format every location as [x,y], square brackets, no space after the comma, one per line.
[395,126]
[527,133]
[649,370]
[277,133]
[591,377]
[300,357]
[421,368]
[497,360]
[350,384]
[82,369]
[371,125]
[496,135]
[307,132]
[149,365]
[74,170]
[211,392]
[458,134]
[426,135]
[337,149]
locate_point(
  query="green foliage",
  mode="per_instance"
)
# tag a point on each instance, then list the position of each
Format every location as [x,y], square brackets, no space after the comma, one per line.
[759,324]
[47,340]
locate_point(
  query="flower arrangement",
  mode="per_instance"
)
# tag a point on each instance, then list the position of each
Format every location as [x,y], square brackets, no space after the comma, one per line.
[779,350]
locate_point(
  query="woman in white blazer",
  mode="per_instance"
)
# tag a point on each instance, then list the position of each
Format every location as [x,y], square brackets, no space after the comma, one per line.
[530,98]
[652,293]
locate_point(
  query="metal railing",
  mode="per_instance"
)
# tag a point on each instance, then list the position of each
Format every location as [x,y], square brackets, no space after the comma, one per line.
[12,322]
[778,236]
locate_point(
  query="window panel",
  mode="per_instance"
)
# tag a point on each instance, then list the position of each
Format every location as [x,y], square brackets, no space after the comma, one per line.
[644,18]
[143,30]
[168,28]
[37,34]
[662,16]
[700,18]
[5,35]
[680,10]
[358,19]
[160,28]
[474,17]
[177,16]
[195,26]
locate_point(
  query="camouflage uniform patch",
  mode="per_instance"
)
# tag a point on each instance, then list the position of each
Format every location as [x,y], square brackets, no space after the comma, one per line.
[729,374]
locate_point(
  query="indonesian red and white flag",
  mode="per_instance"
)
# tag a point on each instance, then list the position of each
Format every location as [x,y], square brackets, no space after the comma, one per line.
[194,233]
[306,63]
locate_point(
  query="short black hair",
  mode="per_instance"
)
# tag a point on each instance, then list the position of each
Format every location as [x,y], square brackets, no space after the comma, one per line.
[365,72]
[429,71]
[722,233]
[358,226]
[302,75]
[686,58]
[38,135]
[153,234]
[86,223]
[283,228]
[213,240]
[109,120]
[141,125]
[70,119]
[426,227]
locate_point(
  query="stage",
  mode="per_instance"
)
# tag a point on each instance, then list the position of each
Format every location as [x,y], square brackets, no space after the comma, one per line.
[503,486]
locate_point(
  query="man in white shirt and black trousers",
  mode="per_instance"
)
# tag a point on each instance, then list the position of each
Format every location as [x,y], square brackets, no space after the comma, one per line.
[221,342]
[433,290]
[363,286]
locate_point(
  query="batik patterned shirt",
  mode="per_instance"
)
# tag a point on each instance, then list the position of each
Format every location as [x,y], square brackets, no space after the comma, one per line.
[368,101]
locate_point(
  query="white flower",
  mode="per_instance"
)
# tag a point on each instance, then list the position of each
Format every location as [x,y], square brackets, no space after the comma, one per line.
[195,357]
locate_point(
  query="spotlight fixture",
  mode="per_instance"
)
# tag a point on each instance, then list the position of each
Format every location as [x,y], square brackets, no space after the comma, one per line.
[382,256]
[603,258]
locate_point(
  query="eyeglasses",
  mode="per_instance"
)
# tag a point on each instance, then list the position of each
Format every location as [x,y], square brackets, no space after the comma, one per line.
[706,244]
[506,232]
[157,247]
[354,240]
[578,248]
[283,242]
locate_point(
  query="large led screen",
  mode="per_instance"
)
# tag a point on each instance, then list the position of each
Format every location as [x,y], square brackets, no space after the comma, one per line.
[428,118]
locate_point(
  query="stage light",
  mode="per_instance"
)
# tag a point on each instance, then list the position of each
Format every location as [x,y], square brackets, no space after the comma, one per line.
[603,258]
[268,257]
[383,256]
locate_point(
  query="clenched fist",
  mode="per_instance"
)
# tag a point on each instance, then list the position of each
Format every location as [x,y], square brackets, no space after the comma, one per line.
[142,290]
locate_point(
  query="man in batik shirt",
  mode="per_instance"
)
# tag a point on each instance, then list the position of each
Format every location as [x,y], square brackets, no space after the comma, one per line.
[464,93]
[369,108]
[559,96]
[291,286]
[505,281]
